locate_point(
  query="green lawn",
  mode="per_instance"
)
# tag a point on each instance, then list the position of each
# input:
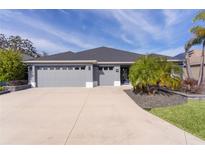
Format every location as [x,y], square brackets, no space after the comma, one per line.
[189,116]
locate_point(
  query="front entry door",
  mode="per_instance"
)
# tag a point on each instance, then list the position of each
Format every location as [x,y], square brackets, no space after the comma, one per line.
[124,74]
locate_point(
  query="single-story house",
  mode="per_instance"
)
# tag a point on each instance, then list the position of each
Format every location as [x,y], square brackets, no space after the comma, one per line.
[89,68]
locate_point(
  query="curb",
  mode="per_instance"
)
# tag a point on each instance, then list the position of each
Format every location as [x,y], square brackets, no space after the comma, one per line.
[189,96]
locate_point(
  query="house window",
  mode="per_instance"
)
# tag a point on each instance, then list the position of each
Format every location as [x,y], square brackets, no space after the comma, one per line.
[57,68]
[111,68]
[51,68]
[64,68]
[45,68]
[100,68]
[89,68]
[77,68]
[105,68]
[70,68]
[117,70]
[82,67]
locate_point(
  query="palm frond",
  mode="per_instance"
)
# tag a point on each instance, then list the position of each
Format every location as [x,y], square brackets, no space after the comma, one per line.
[199,31]
[153,71]
[192,42]
[200,16]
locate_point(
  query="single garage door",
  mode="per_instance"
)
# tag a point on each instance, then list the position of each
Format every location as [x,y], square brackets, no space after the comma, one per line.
[106,75]
[61,76]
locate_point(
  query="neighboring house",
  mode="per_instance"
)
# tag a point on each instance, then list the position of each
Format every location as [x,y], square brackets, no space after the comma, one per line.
[89,68]
[195,60]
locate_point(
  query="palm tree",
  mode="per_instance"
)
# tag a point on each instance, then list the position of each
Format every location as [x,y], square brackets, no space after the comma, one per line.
[187,47]
[199,33]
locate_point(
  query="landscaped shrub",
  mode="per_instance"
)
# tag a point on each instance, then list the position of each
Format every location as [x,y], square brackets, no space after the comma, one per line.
[190,85]
[148,73]
[11,66]
[170,74]
[2,88]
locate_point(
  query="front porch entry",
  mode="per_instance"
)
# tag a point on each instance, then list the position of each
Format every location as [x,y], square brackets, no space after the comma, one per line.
[124,75]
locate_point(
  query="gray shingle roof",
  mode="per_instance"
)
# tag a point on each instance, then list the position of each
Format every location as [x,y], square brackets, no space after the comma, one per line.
[175,58]
[180,56]
[101,54]
[159,55]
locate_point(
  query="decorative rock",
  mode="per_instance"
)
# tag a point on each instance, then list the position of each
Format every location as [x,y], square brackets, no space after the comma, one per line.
[158,100]
[17,88]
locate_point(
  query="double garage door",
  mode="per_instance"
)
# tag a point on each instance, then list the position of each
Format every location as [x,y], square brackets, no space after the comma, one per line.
[61,76]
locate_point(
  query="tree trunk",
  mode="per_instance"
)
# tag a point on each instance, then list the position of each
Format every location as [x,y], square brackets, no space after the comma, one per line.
[201,73]
[188,67]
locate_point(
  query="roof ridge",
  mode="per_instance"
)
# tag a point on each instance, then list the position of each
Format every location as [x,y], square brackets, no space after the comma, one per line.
[114,49]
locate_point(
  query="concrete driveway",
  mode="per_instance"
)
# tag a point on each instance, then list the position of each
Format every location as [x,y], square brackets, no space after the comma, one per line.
[102,115]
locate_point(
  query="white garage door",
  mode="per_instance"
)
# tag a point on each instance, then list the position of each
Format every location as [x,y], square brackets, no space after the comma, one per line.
[61,76]
[106,75]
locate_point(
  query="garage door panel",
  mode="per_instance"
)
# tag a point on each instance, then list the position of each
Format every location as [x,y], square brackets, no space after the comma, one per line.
[106,76]
[60,78]
[106,79]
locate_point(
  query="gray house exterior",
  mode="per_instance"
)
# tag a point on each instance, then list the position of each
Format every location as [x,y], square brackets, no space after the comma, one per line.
[95,67]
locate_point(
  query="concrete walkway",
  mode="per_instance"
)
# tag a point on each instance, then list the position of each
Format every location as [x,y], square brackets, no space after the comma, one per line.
[102,115]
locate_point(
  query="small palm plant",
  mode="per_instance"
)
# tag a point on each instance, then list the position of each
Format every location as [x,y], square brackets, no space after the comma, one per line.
[170,74]
[148,73]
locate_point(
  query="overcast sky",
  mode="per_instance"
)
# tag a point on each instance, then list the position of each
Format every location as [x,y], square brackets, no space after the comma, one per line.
[140,31]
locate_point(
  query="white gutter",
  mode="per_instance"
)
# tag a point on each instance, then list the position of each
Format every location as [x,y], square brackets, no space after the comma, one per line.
[73,61]
[59,61]
[81,61]
[129,62]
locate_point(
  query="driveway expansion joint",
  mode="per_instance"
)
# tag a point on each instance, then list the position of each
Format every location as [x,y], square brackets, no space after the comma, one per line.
[78,117]
[185,137]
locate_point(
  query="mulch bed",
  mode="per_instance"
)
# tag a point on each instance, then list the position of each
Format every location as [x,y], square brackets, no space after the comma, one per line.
[158,100]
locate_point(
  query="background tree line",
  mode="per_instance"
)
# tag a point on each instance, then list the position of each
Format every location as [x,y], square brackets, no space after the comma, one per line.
[16,43]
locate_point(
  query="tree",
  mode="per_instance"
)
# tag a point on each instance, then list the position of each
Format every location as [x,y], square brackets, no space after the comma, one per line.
[3,42]
[187,47]
[11,66]
[150,72]
[199,33]
[16,43]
